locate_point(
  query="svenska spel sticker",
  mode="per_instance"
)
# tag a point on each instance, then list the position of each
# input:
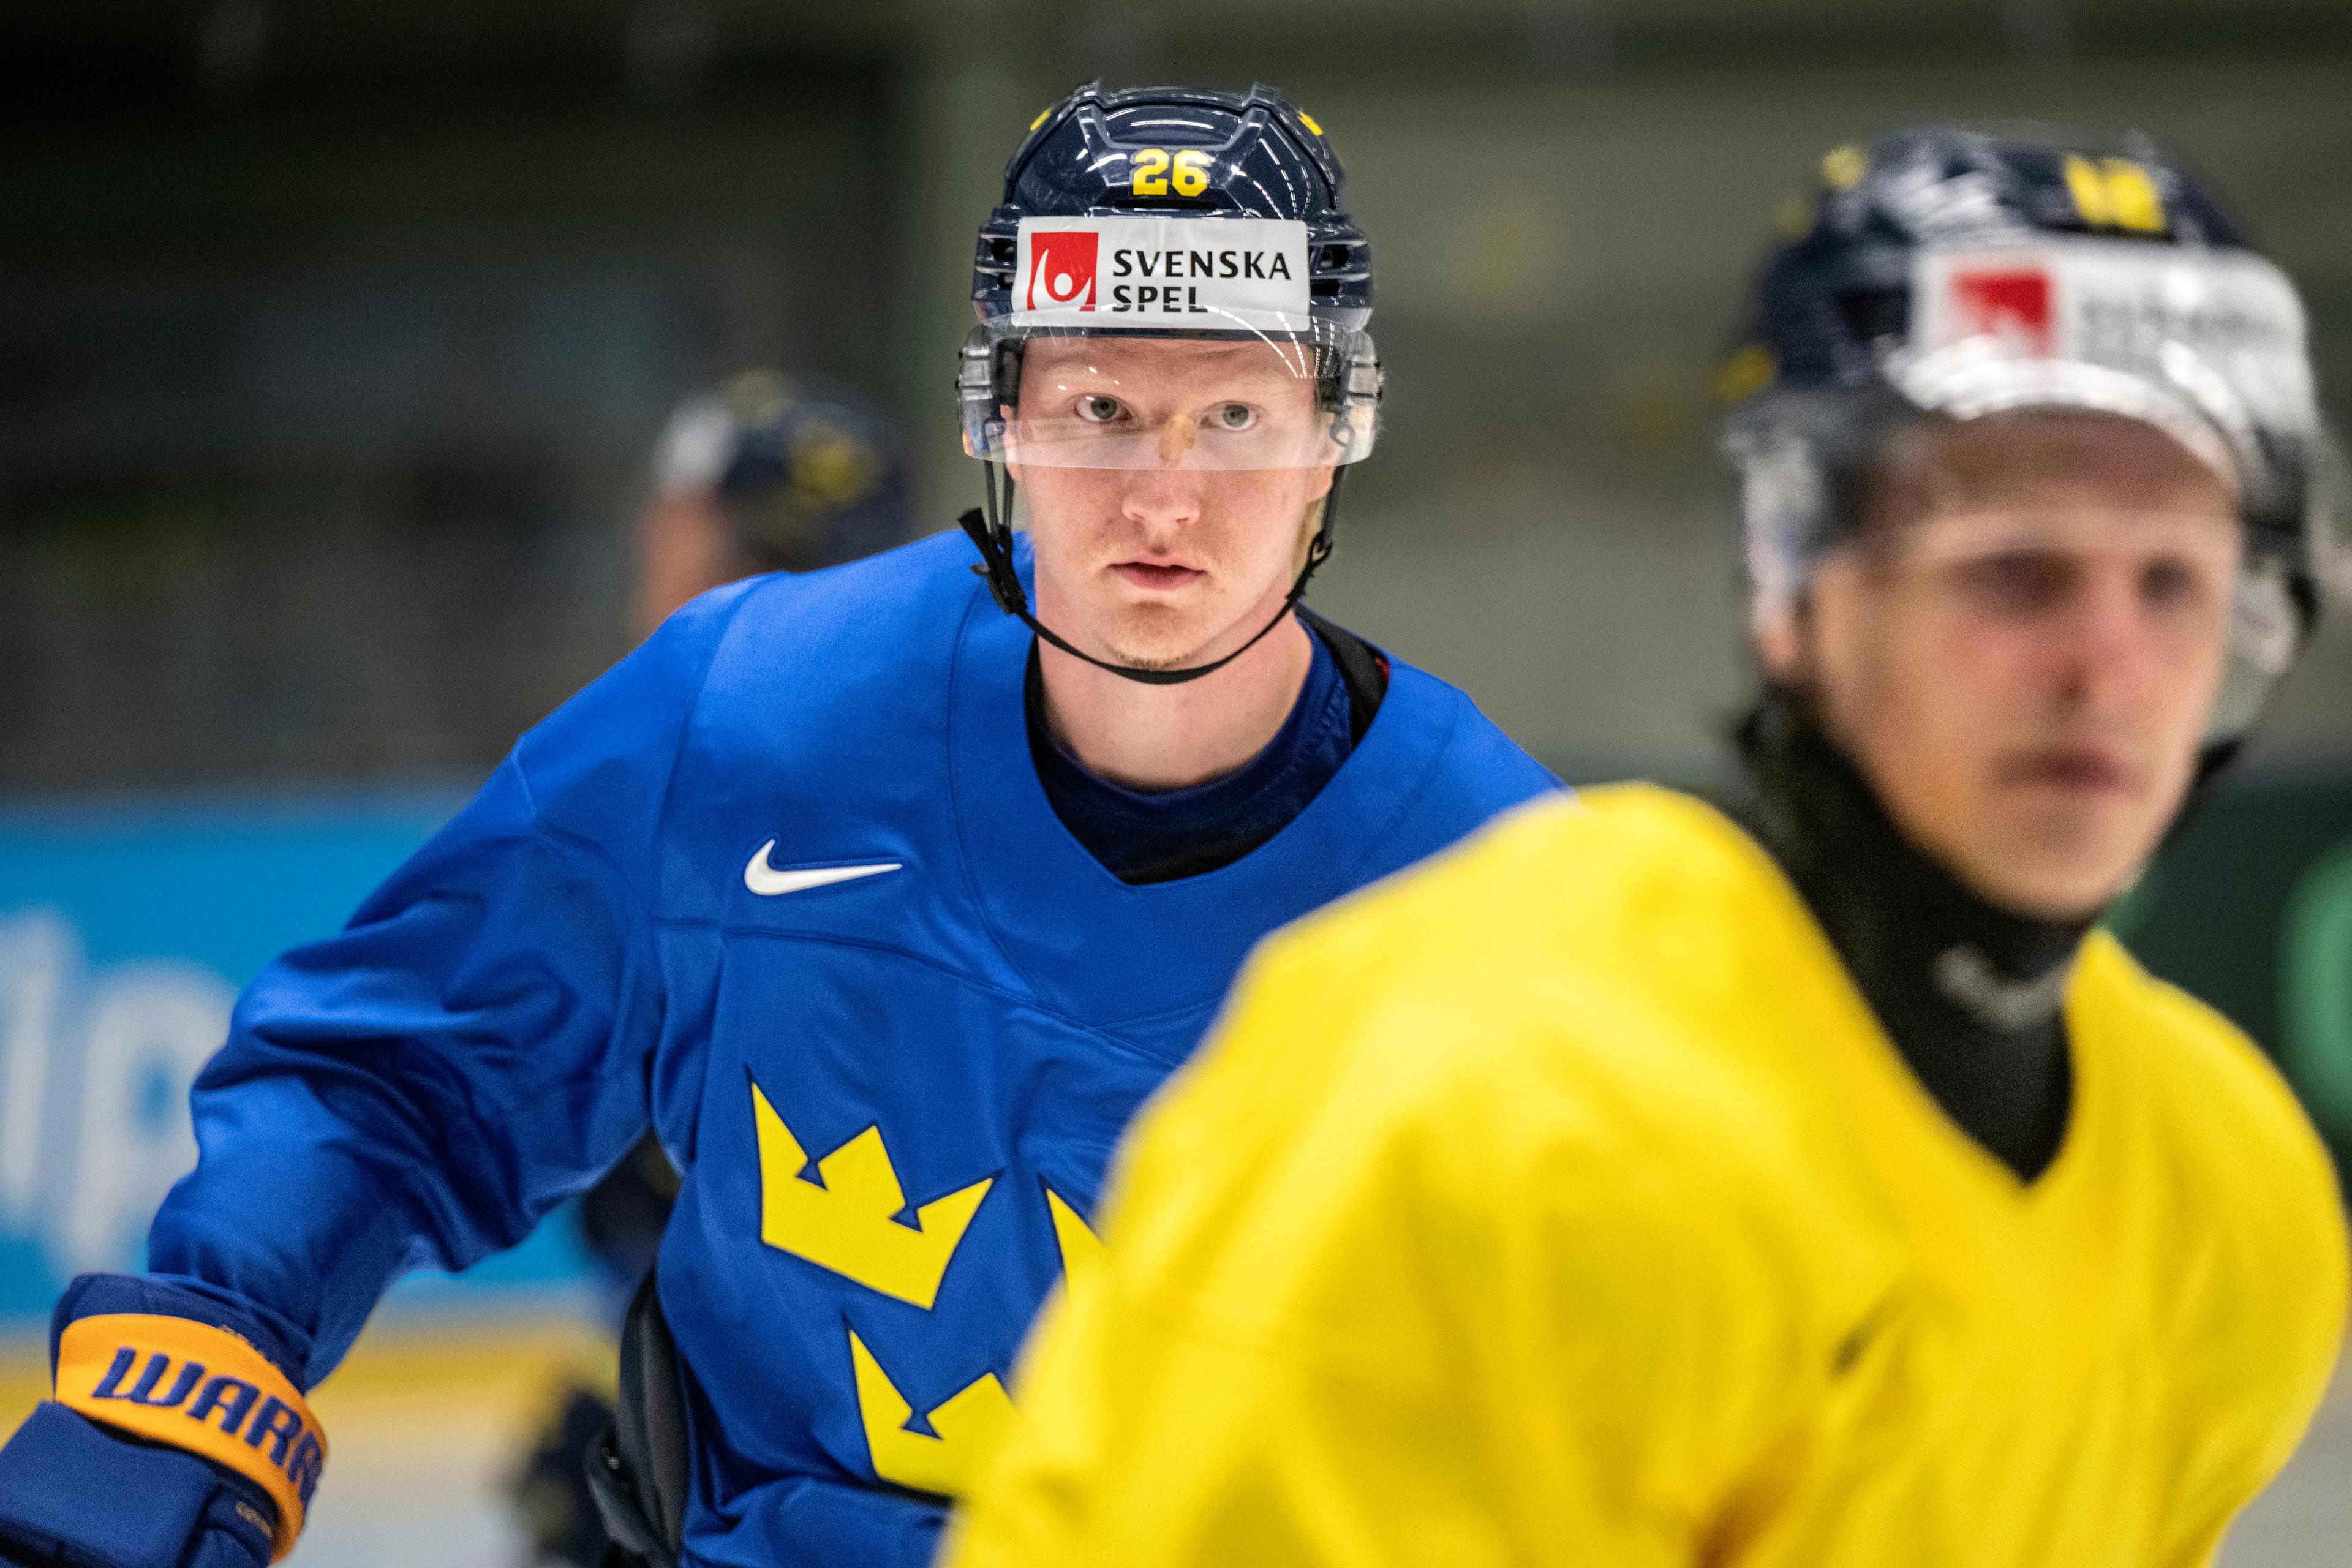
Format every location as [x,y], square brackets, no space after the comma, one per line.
[1206,273]
[2126,307]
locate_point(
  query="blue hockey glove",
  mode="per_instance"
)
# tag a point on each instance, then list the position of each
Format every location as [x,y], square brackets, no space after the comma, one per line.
[176,1439]
[76,1495]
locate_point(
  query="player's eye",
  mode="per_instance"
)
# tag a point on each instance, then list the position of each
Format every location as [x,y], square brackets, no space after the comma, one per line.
[2171,583]
[1100,410]
[2019,582]
[1232,416]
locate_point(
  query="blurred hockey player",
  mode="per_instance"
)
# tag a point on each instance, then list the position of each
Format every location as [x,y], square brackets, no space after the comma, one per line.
[1812,1184]
[884,894]
[768,474]
[773,474]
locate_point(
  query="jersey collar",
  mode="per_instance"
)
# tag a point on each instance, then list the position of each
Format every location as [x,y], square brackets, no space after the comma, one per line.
[1148,961]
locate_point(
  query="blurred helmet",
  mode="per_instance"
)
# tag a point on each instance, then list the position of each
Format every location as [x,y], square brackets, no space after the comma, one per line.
[1171,214]
[1962,272]
[806,475]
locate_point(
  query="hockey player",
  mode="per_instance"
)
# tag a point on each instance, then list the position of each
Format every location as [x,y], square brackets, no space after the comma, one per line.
[773,474]
[884,907]
[1641,1185]
[770,474]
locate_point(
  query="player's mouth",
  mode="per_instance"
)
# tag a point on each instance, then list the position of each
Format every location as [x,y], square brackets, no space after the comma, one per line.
[2074,770]
[1160,578]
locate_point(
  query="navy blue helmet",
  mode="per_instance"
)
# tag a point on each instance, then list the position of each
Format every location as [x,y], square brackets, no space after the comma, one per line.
[1956,272]
[806,475]
[1830,298]
[1098,154]
[1158,214]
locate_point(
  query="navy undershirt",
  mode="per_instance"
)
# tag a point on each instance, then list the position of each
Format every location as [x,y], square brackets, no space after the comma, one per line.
[1162,834]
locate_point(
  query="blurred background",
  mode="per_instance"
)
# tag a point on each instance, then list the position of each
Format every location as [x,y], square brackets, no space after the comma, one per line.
[336,341]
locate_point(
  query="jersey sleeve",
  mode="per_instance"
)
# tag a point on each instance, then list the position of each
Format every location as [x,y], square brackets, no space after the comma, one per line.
[473,1047]
[1370,1299]
[2269,1216]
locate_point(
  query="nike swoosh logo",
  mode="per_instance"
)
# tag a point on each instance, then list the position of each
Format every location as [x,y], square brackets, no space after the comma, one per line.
[767,882]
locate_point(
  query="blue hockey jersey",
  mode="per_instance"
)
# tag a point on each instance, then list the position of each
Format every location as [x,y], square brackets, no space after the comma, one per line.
[785,884]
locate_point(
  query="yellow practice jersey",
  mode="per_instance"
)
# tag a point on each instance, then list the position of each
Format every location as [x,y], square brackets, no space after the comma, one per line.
[1562,1202]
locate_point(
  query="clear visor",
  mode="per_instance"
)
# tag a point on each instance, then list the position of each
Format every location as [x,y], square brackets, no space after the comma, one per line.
[1978,377]
[2184,579]
[1241,394]
[2199,546]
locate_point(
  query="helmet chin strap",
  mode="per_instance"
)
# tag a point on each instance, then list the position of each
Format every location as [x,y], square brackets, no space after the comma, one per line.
[991,531]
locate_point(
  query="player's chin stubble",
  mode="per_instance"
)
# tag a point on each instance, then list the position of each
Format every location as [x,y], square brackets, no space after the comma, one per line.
[1141,647]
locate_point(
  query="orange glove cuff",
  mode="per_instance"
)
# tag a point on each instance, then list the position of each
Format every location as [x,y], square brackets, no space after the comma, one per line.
[203,1389]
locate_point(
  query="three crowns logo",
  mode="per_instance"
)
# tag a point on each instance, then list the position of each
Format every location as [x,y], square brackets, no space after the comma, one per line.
[855,1226]
[851,1225]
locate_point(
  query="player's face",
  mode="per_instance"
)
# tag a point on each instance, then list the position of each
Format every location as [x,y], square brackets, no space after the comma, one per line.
[1178,555]
[2023,651]
[683,549]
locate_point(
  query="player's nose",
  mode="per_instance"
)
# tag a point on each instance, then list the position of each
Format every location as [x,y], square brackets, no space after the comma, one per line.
[1164,497]
[2106,644]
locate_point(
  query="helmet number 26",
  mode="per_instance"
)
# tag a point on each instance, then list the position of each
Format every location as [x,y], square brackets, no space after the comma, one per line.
[1152,177]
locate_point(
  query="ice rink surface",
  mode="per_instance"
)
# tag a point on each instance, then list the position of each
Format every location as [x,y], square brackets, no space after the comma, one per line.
[2306,1518]
[427,1425]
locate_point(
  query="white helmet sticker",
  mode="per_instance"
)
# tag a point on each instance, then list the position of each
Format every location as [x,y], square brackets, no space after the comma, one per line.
[2170,315]
[1205,273]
